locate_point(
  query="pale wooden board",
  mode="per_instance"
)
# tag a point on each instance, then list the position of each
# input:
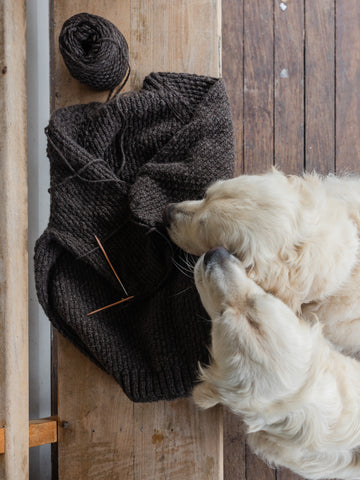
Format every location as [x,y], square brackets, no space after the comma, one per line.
[14,405]
[102,435]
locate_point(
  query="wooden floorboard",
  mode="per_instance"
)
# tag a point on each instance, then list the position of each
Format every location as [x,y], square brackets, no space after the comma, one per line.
[102,434]
[289,87]
[293,76]
[320,86]
[258,72]
[347,85]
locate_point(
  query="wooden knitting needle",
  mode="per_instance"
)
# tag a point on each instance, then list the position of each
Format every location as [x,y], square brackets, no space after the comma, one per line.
[118,279]
[112,268]
[112,305]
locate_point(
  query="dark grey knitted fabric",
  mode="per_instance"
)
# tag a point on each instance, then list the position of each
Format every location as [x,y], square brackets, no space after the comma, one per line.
[114,167]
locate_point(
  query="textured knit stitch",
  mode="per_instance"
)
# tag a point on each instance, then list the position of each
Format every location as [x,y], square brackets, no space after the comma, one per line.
[114,167]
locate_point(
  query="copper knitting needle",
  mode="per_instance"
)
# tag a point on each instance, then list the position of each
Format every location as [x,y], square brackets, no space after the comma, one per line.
[112,268]
[112,305]
[118,279]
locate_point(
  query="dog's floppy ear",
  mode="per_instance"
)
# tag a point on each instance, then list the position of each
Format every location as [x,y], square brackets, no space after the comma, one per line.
[205,395]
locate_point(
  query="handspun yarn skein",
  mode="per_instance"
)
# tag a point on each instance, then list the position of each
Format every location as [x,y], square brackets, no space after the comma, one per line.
[94,50]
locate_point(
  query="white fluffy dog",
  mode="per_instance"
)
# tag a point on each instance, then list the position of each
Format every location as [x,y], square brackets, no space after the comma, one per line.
[299,397]
[297,237]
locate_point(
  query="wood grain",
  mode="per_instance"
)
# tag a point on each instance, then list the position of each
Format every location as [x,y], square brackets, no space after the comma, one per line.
[181,443]
[234,447]
[2,440]
[96,437]
[181,36]
[14,388]
[258,123]
[232,69]
[42,431]
[258,85]
[102,435]
[320,86]
[347,86]
[289,86]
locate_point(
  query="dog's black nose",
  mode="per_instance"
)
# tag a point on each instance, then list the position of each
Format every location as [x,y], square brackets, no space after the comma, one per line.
[216,255]
[167,214]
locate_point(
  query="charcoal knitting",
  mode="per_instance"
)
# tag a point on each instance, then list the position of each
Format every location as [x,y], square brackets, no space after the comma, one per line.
[94,50]
[113,167]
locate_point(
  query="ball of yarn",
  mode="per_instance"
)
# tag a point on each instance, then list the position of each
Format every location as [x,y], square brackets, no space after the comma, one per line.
[94,50]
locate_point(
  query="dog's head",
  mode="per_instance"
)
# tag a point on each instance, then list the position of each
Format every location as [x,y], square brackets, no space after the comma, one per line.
[247,215]
[261,351]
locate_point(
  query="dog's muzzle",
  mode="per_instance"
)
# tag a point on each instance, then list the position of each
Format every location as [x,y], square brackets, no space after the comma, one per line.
[168,214]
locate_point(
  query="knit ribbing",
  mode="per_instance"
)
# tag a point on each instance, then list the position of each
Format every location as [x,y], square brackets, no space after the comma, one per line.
[114,167]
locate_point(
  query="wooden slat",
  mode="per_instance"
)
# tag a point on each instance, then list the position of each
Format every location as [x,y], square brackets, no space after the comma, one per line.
[102,435]
[320,85]
[182,443]
[14,392]
[234,447]
[258,123]
[258,85]
[41,432]
[347,85]
[179,36]
[289,103]
[289,86]
[2,440]
[232,69]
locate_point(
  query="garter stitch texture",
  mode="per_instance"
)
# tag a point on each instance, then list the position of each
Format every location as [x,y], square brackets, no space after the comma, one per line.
[114,167]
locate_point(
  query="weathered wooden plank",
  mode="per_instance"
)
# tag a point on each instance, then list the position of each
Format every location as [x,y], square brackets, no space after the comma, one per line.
[234,447]
[347,85]
[232,69]
[320,85]
[233,74]
[2,440]
[289,86]
[258,85]
[258,123]
[182,441]
[102,435]
[179,36]
[95,437]
[14,392]
[42,431]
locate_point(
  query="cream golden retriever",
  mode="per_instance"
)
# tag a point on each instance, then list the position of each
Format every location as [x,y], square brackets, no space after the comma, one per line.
[299,396]
[297,237]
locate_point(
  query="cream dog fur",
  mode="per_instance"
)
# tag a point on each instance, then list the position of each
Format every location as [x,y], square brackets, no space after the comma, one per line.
[297,237]
[299,397]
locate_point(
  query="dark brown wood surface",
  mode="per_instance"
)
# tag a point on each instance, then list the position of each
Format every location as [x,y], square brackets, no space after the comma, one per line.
[347,85]
[289,86]
[292,70]
[320,86]
[258,71]
[232,68]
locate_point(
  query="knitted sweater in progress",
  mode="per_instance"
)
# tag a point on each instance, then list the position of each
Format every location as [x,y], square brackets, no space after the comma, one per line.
[114,167]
